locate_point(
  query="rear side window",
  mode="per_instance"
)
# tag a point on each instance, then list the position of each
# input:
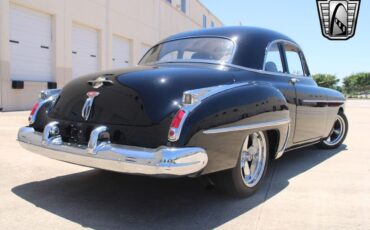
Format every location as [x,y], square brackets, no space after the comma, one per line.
[273,61]
[294,60]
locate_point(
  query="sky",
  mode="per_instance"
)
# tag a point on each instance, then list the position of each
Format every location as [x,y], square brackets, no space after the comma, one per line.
[299,20]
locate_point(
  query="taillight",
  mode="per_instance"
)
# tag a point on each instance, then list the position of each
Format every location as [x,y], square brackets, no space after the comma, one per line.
[33,111]
[177,119]
[175,129]
[34,108]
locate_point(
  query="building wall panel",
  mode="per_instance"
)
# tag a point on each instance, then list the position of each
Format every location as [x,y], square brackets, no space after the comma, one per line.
[143,22]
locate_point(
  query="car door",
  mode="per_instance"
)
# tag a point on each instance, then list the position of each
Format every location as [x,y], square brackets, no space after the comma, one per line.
[311,112]
[276,73]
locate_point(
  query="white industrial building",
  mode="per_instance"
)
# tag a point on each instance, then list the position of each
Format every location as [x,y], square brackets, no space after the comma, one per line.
[46,43]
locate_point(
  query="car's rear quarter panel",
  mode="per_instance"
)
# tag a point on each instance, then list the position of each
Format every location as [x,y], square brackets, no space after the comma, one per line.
[252,104]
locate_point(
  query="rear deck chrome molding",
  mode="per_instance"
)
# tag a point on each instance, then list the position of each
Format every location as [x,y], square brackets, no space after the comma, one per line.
[261,125]
[161,162]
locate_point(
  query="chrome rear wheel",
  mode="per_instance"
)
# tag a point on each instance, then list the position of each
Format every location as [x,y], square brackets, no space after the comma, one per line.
[253,158]
[247,176]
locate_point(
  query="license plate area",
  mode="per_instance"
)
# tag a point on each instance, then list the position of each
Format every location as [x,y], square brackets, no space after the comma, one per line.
[75,133]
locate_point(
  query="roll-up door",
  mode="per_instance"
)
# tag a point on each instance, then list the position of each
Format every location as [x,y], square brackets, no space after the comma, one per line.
[31,53]
[84,51]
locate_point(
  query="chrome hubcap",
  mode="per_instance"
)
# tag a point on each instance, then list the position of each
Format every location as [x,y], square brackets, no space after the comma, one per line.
[253,158]
[337,133]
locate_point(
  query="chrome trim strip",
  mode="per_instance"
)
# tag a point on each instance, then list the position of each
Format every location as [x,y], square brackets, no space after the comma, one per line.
[224,65]
[281,152]
[323,101]
[45,96]
[261,125]
[267,72]
[276,42]
[306,144]
[211,91]
[197,36]
[203,94]
[162,162]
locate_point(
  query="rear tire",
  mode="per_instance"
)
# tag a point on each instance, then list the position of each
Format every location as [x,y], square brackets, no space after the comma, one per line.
[337,135]
[248,174]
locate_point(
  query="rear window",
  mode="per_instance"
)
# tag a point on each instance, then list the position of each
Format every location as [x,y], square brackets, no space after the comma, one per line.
[191,49]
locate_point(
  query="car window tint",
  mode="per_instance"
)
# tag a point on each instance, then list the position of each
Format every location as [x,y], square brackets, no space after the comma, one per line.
[293,60]
[273,61]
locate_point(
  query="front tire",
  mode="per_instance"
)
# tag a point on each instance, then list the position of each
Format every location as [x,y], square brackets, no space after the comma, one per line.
[337,135]
[248,174]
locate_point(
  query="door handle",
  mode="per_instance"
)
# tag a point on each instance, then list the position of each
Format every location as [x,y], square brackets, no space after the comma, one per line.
[293,80]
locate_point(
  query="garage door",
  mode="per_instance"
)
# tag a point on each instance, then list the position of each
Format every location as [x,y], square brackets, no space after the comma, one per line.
[84,51]
[121,52]
[30,45]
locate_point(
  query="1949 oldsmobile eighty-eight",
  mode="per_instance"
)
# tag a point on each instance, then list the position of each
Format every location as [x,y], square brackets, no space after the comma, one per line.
[222,102]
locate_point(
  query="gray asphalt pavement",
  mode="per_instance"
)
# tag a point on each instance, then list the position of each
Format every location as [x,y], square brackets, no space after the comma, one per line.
[305,189]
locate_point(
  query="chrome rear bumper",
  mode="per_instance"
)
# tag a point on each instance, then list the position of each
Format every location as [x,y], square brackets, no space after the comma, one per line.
[161,162]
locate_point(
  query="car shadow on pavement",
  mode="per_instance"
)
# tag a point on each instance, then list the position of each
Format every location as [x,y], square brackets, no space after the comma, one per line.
[105,200]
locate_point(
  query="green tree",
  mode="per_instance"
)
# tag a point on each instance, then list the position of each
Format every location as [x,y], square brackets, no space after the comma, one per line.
[326,80]
[357,83]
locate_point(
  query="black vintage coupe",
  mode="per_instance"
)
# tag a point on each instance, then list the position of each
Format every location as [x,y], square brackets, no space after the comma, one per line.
[222,102]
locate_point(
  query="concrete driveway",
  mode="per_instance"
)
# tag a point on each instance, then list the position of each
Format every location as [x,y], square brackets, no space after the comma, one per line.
[306,189]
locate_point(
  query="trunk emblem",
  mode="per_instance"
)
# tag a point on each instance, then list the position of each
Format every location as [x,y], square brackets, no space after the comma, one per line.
[99,82]
[86,109]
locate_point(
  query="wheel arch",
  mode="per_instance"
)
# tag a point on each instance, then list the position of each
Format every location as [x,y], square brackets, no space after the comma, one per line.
[273,140]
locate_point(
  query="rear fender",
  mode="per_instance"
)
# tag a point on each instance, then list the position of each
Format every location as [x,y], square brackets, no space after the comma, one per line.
[222,121]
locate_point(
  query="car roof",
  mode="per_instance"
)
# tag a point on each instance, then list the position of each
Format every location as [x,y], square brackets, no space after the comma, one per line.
[251,42]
